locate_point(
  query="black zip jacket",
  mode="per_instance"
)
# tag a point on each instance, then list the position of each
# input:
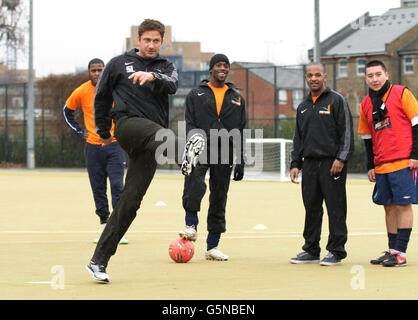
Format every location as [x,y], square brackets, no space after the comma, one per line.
[148,101]
[323,129]
[201,112]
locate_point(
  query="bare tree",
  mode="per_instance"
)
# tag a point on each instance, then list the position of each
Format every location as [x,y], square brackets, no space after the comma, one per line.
[11,30]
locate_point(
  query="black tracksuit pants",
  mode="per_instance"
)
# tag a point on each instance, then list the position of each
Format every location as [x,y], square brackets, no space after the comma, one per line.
[195,188]
[318,185]
[102,163]
[137,137]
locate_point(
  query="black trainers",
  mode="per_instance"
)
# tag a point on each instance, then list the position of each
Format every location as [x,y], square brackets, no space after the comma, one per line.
[98,271]
[386,255]
[330,260]
[395,260]
[304,258]
[194,147]
[103,220]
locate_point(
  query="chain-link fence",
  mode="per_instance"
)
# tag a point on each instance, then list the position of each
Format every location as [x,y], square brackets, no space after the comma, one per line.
[272,94]
[55,145]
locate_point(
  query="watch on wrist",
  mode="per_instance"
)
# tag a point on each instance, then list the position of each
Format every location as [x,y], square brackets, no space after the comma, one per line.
[154,76]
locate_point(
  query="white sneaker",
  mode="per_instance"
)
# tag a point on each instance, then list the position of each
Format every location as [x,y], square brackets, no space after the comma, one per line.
[189,233]
[124,240]
[194,147]
[98,271]
[215,254]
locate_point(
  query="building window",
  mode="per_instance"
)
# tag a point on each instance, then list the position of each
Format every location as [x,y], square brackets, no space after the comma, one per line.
[297,98]
[342,69]
[408,65]
[282,96]
[361,67]
[204,66]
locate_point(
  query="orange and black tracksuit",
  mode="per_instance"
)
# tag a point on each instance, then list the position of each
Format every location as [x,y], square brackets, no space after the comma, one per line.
[324,129]
[323,133]
[213,109]
[209,108]
[102,162]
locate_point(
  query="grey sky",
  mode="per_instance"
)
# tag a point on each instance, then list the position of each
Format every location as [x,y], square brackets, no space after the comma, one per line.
[67,34]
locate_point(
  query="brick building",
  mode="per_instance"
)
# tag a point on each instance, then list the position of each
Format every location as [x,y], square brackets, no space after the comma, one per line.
[271,92]
[8,76]
[186,55]
[391,37]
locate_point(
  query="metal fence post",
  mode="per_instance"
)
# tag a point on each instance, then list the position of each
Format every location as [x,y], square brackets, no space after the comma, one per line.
[276,105]
[30,153]
[399,70]
[6,127]
[247,95]
[25,105]
[43,151]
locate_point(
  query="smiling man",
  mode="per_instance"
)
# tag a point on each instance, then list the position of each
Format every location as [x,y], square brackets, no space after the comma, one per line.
[322,144]
[389,126]
[214,106]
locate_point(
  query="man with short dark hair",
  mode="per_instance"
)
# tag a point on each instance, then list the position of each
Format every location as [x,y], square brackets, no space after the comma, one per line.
[139,83]
[389,126]
[102,161]
[217,108]
[322,144]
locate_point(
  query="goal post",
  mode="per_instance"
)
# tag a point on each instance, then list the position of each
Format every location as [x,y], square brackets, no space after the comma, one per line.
[268,159]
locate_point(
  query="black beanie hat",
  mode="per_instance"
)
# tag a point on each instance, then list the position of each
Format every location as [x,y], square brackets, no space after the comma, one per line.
[218,58]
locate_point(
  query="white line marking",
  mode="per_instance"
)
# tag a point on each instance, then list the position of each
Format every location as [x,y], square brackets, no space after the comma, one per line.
[260,227]
[261,237]
[46,231]
[229,235]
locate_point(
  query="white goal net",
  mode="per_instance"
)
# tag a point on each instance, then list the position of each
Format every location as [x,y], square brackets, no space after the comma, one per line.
[268,159]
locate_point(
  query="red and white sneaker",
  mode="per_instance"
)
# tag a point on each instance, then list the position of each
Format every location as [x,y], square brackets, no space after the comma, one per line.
[395,260]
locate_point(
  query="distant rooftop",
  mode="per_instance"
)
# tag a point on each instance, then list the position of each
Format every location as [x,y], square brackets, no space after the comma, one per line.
[410,46]
[376,33]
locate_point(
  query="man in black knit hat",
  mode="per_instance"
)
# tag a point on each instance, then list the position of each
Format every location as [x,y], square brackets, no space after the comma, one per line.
[217,109]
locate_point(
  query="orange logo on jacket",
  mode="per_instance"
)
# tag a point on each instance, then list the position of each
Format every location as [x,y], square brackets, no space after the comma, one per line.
[237,102]
[324,110]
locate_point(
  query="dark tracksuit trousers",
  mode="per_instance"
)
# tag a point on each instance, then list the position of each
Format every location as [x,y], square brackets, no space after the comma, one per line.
[103,162]
[318,185]
[137,137]
[195,189]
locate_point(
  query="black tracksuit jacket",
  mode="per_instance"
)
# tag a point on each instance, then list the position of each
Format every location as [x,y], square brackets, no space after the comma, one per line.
[323,129]
[201,112]
[148,101]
